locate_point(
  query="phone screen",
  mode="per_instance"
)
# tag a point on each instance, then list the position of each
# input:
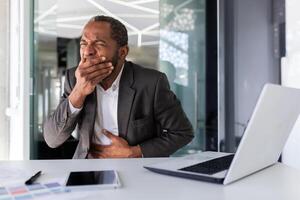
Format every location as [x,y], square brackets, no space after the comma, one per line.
[105,177]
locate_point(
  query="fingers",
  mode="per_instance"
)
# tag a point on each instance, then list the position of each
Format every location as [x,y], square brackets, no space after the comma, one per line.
[86,63]
[99,73]
[97,67]
[92,70]
[97,147]
[108,134]
[95,75]
[98,79]
[96,155]
[106,154]
[100,151]
[109,151]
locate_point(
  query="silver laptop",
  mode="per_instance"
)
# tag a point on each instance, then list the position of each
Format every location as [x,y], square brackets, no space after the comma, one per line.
[273,118]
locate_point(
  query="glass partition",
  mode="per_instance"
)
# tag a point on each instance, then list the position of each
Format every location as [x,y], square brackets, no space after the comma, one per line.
[166,35]
[182,58]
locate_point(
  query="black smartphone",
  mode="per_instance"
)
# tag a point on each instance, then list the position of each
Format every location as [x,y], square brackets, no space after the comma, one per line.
[100,179]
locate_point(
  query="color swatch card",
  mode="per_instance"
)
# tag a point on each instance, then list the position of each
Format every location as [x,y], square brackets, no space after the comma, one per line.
[35,191]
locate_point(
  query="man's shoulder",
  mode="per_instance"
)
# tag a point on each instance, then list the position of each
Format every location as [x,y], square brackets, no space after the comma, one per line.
[70,76]
[71,71]
[144,72]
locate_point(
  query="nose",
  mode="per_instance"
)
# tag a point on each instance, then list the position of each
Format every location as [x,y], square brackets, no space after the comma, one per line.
[89,51]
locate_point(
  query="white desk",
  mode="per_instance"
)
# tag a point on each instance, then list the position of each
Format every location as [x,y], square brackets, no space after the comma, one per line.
[277,182]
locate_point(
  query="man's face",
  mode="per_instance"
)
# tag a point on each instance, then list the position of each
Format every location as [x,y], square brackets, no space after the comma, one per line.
[96,42]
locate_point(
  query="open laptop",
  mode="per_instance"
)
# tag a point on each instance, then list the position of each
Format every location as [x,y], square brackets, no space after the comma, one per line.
[273,118]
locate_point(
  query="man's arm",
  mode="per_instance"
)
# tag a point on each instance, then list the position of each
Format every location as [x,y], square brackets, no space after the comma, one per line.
[176,130]
[61,123]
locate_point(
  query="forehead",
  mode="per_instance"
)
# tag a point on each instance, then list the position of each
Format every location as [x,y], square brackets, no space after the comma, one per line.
[97,30]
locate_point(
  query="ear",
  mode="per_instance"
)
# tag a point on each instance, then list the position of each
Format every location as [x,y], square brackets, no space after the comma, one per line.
[123,52]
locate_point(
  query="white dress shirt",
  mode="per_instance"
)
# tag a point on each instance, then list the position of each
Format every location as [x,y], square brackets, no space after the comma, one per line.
[107,111]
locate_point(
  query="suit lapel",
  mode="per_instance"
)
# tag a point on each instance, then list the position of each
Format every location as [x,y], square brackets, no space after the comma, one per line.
[90,115]
[125,100]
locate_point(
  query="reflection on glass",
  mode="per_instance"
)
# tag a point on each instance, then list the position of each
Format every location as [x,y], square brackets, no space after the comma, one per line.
[182,58]
[173,48]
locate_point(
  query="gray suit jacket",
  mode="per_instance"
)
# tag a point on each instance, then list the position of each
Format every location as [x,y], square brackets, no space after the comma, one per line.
[149,115]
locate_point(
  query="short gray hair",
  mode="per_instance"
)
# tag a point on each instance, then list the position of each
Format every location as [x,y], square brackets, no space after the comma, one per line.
[118,30]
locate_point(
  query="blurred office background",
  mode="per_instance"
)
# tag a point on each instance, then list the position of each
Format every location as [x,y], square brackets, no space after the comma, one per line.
[217,55]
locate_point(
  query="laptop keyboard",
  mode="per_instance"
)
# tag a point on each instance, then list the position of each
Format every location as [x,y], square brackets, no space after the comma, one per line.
[212,166]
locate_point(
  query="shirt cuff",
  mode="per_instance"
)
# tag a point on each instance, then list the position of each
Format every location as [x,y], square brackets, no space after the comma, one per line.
[73,109]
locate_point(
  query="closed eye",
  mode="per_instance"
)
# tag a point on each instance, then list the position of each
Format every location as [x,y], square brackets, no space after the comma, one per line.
[82,43]
[100,43]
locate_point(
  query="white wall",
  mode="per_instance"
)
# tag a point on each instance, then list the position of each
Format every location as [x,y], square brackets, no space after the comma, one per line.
[4,83]
[15,79]
[291,76]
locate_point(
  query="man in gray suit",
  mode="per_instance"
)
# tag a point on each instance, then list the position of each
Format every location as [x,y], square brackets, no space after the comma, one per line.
[121,110]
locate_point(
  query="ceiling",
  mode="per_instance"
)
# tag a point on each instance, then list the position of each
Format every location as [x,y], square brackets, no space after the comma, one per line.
[66,18]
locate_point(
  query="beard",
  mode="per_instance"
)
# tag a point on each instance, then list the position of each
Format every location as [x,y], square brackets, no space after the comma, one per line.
[114,60]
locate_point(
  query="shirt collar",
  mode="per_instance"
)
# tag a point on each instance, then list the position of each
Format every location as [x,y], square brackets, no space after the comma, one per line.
[116,83]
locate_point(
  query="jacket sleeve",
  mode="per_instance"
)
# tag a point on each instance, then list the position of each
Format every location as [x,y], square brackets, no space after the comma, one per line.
[176,130]
[59,126]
